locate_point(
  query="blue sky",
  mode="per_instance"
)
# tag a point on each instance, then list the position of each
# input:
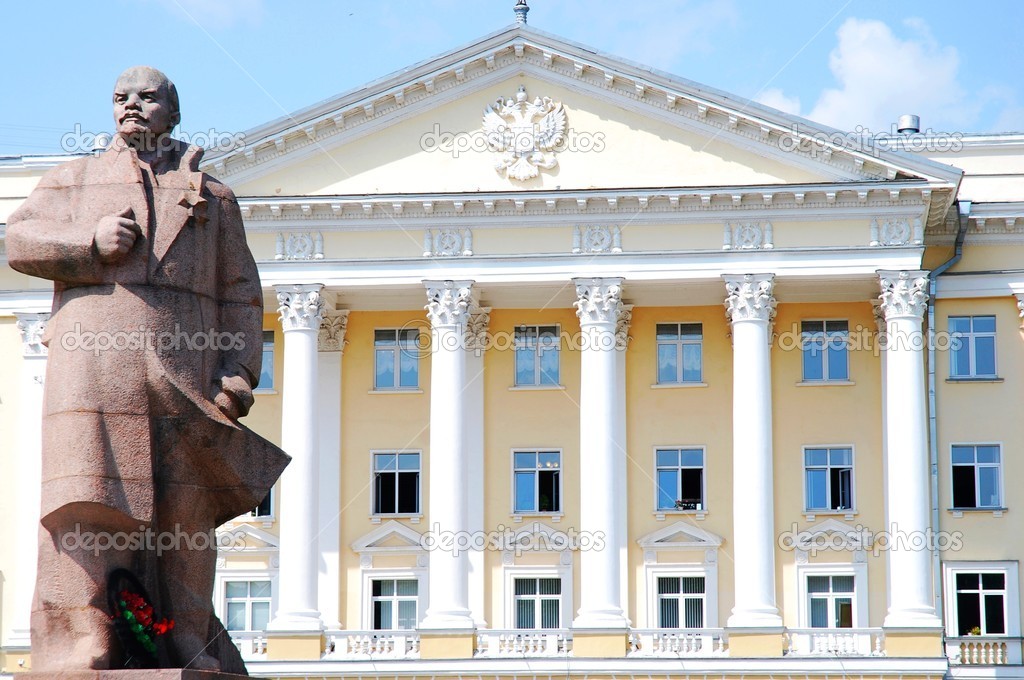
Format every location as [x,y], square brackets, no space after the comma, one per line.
[240,63]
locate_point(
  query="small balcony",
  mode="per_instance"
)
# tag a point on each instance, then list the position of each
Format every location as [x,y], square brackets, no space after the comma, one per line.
[835,642]
[983,650]
[371,645]
[677,643]
[548,643]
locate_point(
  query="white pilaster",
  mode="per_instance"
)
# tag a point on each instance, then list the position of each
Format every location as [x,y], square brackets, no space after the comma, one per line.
[603,448]
[331,346]
[301,308]
[448,310]
[904,300]
[29,455]
[750,307]
[476,343]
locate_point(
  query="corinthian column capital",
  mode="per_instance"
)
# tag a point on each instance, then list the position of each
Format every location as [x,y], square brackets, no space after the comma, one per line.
[301,306]
[598,301]
[448,302]
[749,297]
[31,327]
[904,294]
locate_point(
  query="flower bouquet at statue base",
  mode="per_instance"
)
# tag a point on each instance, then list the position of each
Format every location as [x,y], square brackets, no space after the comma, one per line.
[135,622]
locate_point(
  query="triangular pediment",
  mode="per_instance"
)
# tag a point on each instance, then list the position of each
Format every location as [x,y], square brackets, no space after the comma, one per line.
[390,537]
[422,131]
[246,538]
[679,535]
[829,533]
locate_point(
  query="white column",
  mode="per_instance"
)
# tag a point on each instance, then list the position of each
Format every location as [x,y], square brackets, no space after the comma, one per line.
[750,307]
[622,339]
[602,454]
[331,345]
[476,343]
[904,300]
[29,455]
[301,308]
[448,308]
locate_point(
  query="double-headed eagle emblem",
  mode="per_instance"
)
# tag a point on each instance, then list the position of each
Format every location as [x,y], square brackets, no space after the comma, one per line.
[524,134]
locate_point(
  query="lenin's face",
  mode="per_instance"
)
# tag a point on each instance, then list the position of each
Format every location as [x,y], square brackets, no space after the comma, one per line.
[142,104]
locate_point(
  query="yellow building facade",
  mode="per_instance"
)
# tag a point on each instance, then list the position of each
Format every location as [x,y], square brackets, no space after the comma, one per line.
[590,370]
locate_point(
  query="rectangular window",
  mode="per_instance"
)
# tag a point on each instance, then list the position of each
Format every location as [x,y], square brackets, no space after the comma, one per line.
[680,353]
[396,483]
[265,508]
[980,604]
[394,603]
[830,601]
[680,479]
[828,475]
[537,350]
[267,366]
[976,476]
[972,347]
[396,358]
[538,602]
[537,477]
[247,605]
[825,349]
[681,602]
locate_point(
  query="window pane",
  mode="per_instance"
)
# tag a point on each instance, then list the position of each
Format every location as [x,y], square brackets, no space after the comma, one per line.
[816,457]
[691,458]
[668,457]
[526,586]
[267,367]
[259,589]
[668,489]
[525,366]
[817,494]
[837,368]
[819,612]
[667,370]
[406,587]
[408,461]
[691,363]
[409,492]
[549,365]
[260,615]
[549,613]
[960,357]
[547,491]
[994,623]
[691,331]
[842,584]
[963,486]
[384,492]
[693,585]
[988,487]
[668,585]
[694,612]
[813,362]
[988,454]
[667,331]
[959,324]
[236,616]
[836,326]
[385,368]
[966,581]
[993,581]
[548,460]
[525,460]
[237,589]
[844,613]
[382,615]
[985,357]
[968,612]
[840,457]
[407,614]
[809,327]
[817,584]
[410,368]
[525,497]
[384,337]
[525,616]
[668,613]
[550,586]
[963,454]
[692,488]
[984,324]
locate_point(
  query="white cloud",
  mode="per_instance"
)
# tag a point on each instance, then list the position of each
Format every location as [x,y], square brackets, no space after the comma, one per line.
[777,99]
[881,76]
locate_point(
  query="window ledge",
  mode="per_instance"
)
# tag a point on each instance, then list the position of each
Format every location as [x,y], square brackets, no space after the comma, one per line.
[535,388]
[660,515]
[679,385]
[555,517]
[967,379]
[413,518]
[403,390]
[959,512]
[262,390]
[848,515]
[824,383]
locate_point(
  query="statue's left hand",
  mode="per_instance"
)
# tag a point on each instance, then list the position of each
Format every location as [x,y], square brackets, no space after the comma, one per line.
[233,396]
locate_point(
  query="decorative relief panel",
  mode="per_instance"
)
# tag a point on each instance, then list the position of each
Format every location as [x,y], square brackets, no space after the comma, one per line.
[896,232]
[596,239]
[299,246]
[447,243]
[524,134]
[748,236]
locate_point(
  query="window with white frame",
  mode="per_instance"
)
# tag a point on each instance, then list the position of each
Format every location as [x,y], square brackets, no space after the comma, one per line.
[396,483]
[830,600]
[247,605]
[680,478]
[267,365]
[537,602]
[973,347]
[681,601]
[680,353]
[976,476]
[396,358]
[828,477]
[825,346]
[538,481]
[265,508]
[394,603]
[537,355]
[981,598]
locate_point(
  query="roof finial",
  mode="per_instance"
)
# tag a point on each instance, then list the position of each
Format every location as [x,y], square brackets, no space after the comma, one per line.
[521,10]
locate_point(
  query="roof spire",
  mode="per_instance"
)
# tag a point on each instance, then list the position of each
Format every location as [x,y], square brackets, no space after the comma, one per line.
[521,9]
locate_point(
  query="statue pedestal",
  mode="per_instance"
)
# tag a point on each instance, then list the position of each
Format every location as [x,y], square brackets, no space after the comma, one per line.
[136,674]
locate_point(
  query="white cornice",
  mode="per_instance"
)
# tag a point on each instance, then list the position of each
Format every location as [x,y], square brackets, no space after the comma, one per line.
[30,301]
[635,206]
